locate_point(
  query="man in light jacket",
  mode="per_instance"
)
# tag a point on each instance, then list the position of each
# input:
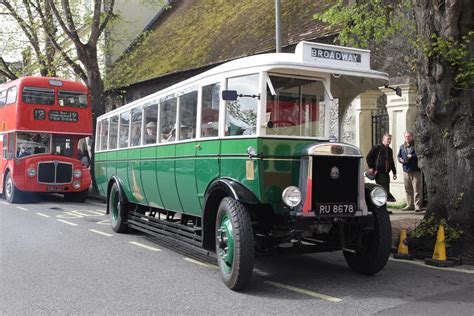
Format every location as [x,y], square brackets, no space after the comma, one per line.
[411,173]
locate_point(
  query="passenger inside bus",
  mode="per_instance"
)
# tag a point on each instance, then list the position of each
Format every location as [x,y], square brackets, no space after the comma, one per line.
[150,137]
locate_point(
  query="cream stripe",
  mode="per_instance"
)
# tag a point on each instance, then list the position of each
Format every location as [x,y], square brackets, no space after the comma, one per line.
[306,292]
[144,246]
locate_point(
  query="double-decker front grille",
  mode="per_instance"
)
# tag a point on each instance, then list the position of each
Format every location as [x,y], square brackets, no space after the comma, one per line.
[54,172]
[335,180]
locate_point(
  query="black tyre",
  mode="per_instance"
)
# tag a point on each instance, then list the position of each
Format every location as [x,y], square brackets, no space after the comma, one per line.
[76,196]
[234,243]
[10,192]
[118,209]
[377,245]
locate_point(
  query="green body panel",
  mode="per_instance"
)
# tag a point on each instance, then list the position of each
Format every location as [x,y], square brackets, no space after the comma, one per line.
[137,194]
[165,167]
[149,180]
[111,168]
[100,173]
[234,157]
[121,167]
[186,178]
[207,166]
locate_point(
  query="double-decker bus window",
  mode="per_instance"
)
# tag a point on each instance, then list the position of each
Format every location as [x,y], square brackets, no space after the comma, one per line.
[150,118]
[63,146]
[296,108]
[113,132]
[241,114]
[104,133]
[3,97]
[168,119]
[136,130]
[32,144]
[11,95]
[210,110]
[124,129]
[72,99]
[187,115]
[36,95]
[7,147]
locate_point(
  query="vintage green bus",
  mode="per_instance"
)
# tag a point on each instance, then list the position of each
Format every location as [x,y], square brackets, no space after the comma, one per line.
[239,161]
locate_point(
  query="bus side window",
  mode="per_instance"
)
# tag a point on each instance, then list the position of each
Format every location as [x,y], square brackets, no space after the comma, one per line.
[136,133]
[104,133]
[3,97]
[113,132]
[187,115]
[11,95]
[167,119]
[210,110]
[150,122]
[124,129]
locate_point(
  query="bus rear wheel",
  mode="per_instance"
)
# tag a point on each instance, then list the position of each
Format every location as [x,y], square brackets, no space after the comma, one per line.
[234,243]
[117,206]
[11,193]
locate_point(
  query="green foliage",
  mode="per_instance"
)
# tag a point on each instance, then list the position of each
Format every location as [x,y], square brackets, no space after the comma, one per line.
[455,54]
[428,228]
[368,21]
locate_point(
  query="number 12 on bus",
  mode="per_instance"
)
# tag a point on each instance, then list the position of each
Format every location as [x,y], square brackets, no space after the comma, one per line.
[42,123]
[238,160]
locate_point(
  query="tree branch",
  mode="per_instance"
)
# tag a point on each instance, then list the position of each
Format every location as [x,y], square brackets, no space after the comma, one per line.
[6,71]
[72,34]
[110,13]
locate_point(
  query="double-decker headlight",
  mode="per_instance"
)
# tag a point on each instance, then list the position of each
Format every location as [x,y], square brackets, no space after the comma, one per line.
[291,196]
[378,196]
[31,172]
[76,184]
[77,173]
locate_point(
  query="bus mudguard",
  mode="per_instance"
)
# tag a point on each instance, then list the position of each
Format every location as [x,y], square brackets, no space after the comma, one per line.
[112,180]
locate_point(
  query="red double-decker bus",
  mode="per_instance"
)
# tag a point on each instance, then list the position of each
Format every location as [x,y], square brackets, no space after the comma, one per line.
[42,121]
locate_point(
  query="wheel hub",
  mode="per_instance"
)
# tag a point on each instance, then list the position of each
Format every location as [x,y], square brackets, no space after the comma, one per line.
[225,243]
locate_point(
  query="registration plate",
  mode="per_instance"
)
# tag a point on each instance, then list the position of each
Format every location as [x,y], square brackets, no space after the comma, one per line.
[335,208]
[55,188]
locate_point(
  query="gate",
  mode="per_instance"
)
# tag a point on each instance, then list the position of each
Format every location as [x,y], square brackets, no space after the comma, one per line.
[379,124]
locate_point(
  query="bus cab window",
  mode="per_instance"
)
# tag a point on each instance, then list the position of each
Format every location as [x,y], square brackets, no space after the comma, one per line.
[63,146]
[32,144]
[241,114]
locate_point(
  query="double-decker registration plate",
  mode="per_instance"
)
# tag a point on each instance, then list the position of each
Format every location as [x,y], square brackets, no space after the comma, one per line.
[335,208]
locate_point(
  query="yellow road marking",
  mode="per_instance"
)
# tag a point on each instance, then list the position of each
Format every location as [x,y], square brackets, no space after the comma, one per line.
[101,233]
[422,264]
[212,266]
[144,246]
[66,222]
[306,292]
[44,215]
[22,208]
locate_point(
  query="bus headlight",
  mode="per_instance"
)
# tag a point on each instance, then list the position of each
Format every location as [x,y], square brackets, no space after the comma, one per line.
[77,173]
[378,196]
[76,184]
[291,196]
[31,172]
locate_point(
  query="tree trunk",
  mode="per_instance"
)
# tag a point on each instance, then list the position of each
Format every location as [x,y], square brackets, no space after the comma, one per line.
[444,126]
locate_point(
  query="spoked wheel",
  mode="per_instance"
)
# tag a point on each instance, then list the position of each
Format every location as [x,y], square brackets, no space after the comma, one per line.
[234,243]
[11,193]
[377,245]
[118,210]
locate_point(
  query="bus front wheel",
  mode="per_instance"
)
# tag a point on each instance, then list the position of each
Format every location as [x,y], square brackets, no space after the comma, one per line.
[234,243]
[11,193]
[118,209]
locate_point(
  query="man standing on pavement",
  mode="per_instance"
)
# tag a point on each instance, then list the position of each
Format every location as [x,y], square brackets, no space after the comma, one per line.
[380,162]
[411,173]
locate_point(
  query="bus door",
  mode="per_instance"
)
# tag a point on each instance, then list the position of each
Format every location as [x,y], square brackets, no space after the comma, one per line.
[208,145]
[8,151]
[185,152]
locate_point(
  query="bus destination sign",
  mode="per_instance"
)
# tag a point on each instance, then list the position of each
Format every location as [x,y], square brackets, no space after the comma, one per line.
[63,116]
[336,55]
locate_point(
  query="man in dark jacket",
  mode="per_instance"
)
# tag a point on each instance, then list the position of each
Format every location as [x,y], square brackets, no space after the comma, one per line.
[380,162]
[411,173]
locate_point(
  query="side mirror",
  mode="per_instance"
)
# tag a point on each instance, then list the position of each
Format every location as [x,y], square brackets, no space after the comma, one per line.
[229,95]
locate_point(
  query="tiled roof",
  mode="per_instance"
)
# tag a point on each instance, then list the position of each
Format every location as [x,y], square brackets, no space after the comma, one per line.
[196,33]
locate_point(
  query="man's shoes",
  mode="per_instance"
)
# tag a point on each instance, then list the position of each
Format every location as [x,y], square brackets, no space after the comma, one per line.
[408,208]
[418,210]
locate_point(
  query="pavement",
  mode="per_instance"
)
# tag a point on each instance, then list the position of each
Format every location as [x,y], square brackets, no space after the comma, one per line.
[404,220]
